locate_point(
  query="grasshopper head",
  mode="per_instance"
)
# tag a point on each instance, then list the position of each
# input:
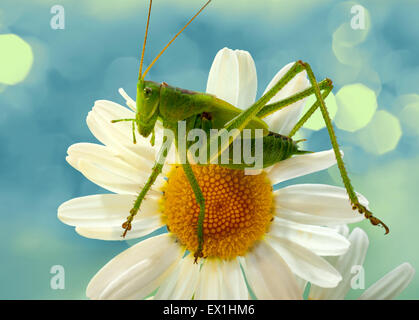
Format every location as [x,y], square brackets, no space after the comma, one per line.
[148,98]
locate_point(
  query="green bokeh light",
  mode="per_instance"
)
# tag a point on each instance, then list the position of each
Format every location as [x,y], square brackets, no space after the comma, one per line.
[16,59]
[381,135]
[409,118]
[349,37]
[347,55]
[356,107]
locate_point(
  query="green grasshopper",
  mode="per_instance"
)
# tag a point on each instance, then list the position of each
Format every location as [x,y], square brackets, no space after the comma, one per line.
[170,105]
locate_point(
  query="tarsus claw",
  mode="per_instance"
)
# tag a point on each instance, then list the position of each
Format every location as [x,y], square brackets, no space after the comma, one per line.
[127,226]
[375,221]
[198,254]
[368,215]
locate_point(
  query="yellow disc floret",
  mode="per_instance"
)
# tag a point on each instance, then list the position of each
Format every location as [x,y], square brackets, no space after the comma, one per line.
[238,209]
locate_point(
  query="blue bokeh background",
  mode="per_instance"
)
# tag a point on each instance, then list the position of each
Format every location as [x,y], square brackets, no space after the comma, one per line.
[98,52]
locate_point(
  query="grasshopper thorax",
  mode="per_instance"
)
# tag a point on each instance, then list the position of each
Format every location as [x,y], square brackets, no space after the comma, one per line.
[148,100]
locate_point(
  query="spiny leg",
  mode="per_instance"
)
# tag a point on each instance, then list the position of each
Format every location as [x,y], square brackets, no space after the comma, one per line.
[134,140]
[316,88]
[157,169]
[310,111]
[356,205]
[276,106]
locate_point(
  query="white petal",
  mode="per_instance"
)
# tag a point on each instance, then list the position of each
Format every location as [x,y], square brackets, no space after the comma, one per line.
[284,120]
[269,276]
[222,280]
[104,157]
[344,264]
[224,75]
[210,281]
[137,271]
[104,209]
[119,135]
[343,229]
[105,111]
[181,283]
[233,77]
[320,240]
[101,216]
[129,101]
[305,263]
[301,165]
[247,79]
[233,283]
[391,285]
[316,204]
[140,228]
[110,110]
[110,180]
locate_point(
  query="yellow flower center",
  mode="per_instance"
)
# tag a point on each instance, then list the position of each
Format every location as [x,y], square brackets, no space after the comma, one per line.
[238,209]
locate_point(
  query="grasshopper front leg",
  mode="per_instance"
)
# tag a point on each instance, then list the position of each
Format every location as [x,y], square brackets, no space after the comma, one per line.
[134,140]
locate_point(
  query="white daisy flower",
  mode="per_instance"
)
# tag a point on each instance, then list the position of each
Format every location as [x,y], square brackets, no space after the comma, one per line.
[350,266]
[270,235]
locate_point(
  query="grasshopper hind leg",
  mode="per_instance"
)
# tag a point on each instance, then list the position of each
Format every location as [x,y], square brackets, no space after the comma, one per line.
[356,205]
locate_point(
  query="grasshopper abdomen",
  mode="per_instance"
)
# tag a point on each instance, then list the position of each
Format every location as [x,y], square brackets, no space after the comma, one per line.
[272,148]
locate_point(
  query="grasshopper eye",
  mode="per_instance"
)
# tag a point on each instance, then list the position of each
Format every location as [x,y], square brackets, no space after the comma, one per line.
[148,91]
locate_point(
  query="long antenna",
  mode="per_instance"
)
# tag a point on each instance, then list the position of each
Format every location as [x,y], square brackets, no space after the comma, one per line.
[145,40]
[173,39]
